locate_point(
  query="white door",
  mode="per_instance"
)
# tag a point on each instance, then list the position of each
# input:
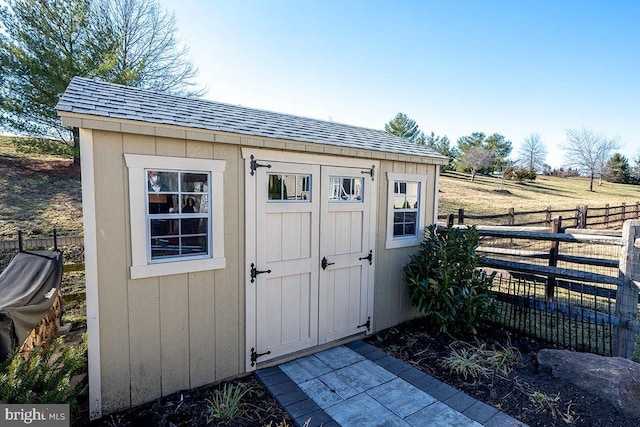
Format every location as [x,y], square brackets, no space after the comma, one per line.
[297,215]
[346,252]
[287,218]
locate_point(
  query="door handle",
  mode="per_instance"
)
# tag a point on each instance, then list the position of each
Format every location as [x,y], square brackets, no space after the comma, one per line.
[326,263]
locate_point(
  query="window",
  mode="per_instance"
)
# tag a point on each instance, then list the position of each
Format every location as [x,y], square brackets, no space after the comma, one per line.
[405,214]
[176,214]
[289,187]
[343,189]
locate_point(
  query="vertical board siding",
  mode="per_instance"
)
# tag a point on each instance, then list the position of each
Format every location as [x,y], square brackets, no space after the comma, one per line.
[229,289]
[144,306]
[144,341]
[391,300]
[174,332]
[202,326]
[111,215]
[181,331]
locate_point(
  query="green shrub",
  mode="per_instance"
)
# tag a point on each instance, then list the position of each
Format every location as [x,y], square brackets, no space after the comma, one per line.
[45,376]
[445,282]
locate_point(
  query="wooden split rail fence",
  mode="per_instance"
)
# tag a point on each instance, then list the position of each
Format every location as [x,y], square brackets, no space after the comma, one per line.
[575,295]
[581,217]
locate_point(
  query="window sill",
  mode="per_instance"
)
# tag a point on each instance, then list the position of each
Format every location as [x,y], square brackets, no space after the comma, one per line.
[178,267]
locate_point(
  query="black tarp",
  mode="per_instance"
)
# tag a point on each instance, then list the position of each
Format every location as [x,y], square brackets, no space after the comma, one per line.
[28,287]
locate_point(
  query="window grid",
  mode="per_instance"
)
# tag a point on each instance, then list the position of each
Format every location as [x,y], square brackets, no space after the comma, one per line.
[178,215]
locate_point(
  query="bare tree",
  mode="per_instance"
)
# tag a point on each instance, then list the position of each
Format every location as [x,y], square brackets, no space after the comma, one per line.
[148,53]
[476,158]
[532,153]
[589,151]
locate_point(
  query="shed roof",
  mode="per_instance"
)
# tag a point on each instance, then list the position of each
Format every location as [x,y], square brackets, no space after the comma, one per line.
[97,98]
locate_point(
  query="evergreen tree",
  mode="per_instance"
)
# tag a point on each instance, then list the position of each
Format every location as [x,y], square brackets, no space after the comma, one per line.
[404,127]
[617,169]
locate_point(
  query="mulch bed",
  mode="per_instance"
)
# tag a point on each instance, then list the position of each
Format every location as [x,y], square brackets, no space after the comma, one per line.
[418,345]
[415,343]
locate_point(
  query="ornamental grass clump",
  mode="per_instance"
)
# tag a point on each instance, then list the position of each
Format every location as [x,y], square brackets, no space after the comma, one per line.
[445,282]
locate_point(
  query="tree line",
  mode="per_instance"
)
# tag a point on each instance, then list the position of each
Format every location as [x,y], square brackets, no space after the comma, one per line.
[587,153]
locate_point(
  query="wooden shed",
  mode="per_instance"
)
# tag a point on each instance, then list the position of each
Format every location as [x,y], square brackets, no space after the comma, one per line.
[220,239]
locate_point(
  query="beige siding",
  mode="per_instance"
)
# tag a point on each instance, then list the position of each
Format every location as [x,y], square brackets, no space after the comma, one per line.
[161,335]
[391,300]
[111,217]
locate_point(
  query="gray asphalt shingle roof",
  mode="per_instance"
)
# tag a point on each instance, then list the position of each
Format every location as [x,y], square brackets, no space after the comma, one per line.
[98,98]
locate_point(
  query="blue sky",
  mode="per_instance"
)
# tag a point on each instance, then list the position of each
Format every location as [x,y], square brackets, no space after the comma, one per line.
[456,67]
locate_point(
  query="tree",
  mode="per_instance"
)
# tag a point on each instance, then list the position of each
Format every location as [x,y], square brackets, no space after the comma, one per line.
[442,145]
[477,158]
[404,127]
[147,52]
[588,151]
[617,169]
[45,43]
[532,153]
[495,143]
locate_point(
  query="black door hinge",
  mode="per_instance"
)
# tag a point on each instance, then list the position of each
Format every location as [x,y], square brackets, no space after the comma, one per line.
[255,272]
[366,325]
[369,257]
[371,172]
[254,356]
[255,165]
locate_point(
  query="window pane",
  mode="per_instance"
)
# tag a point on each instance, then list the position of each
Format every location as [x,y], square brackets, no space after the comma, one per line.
[397,230]
[194,245]
[345,189]
[163,227]
[189,204]
[275,187]
[289,187]
[193,182]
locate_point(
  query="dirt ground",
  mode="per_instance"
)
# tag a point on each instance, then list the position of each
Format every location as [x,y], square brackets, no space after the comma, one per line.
[416,344]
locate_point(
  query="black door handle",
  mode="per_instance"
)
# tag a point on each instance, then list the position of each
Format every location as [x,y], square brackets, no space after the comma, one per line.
[326,263]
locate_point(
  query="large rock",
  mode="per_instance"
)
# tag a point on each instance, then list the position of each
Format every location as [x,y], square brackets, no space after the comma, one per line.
[614,379]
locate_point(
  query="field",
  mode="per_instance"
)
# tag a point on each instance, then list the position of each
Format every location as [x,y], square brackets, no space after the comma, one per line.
[487,195]
[37,194]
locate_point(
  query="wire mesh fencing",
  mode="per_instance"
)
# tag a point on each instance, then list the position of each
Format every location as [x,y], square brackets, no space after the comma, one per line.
[574,288]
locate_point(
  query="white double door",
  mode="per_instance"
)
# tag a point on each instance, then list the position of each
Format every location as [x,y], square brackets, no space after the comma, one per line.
[313,280]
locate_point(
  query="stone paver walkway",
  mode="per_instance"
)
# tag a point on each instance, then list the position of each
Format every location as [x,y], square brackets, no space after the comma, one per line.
[360,385]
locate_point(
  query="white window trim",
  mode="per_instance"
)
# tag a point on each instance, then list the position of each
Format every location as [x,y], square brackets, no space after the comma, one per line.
[392,242]
[140,266]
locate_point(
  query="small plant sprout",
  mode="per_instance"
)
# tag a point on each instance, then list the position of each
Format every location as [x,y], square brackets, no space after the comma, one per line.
[543,402]
[225,404]
[467,360]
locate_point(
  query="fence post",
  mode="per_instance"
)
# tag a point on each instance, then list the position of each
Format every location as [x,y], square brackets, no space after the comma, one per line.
[606,215]
[624,211]
[581,216]
[627,293]
[553,258]
[460,216]
[637,209]
[450,220]
[511,219]
[547,218]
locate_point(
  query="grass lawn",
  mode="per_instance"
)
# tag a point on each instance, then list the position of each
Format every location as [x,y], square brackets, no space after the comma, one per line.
[482,198]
